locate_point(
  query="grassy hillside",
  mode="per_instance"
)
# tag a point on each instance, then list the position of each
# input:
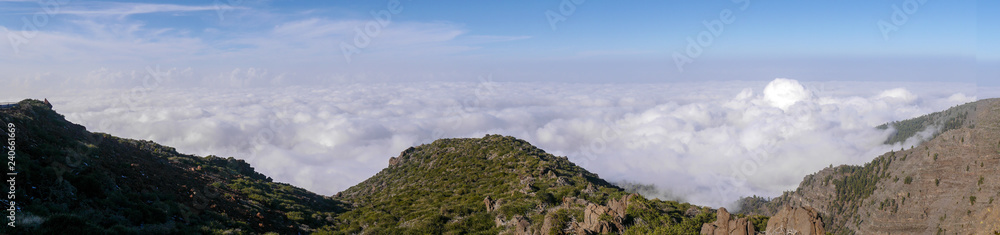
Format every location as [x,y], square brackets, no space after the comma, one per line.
[441,188]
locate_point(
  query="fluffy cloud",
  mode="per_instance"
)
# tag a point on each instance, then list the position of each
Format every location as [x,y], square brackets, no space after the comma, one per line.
[707,143]
[783,93]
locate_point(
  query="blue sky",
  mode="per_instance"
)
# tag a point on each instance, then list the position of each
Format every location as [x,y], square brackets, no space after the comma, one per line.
[301,42]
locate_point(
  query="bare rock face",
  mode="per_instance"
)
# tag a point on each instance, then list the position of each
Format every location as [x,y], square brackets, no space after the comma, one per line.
[620,205]
[726,224]
[797,221]
[592,218]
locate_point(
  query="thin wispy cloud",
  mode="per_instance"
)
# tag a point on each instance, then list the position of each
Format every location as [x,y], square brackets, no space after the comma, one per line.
[121,9]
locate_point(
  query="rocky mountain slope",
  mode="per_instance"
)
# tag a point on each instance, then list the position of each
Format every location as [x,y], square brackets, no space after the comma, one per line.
[947,185]
[71,181]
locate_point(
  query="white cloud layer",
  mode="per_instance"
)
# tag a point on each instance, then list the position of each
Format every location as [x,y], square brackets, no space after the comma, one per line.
[708,143]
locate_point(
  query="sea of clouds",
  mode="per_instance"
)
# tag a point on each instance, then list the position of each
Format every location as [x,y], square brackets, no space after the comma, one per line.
[708,143]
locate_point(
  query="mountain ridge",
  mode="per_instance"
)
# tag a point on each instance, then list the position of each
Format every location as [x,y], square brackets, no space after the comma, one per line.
[944,185]
[73,181]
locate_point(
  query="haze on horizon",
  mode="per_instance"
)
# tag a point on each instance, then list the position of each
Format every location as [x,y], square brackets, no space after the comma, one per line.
[356,82]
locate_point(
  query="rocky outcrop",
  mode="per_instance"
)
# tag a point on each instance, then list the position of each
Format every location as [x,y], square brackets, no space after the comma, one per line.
[560,181]
[522,226]
[526,183]
[615,210]
[396,161]
[573,201]
[726,224]
[590,188]
[492,205]
[592,219]
[797,221]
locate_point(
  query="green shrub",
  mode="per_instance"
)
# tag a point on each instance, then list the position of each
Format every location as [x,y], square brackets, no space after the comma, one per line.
[516,208]
[559,219]
[546,197]
[294,216]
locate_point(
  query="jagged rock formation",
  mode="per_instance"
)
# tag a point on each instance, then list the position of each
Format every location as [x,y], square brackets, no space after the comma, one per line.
[615,210]
[796,221]
[727,224]
[946,185]
[492,205]
[597,219]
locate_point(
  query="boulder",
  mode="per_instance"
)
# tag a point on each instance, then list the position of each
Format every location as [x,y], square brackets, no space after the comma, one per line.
[726,224]
[796,220]
[526,182]
[492,205]
[590,188]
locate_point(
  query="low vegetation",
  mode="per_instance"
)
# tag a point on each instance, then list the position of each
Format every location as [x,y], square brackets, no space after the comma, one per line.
[441,188]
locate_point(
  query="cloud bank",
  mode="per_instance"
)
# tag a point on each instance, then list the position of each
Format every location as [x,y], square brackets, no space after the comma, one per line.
[707,143]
